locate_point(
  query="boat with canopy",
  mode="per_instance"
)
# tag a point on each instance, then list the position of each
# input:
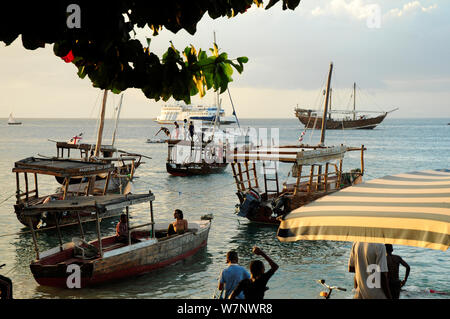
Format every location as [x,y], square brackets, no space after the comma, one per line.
[148,246]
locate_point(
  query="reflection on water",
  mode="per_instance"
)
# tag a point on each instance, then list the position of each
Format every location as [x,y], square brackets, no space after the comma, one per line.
[173,281]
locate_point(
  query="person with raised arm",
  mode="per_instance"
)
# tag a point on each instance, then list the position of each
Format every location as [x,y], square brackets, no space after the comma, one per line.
[256,286]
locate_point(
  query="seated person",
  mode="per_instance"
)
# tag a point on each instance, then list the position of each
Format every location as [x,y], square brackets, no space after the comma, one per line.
[122,231]
[179,226]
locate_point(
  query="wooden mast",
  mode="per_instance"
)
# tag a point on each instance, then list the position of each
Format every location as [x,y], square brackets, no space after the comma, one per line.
[354,101]
[325,109]
[100,127]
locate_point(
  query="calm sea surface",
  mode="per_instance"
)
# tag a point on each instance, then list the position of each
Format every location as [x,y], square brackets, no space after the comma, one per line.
[395,146]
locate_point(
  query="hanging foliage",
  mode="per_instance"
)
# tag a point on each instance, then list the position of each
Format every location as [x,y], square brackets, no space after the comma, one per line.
[96,36]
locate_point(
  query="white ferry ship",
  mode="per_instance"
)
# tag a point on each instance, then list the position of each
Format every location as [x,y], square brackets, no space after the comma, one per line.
[207,114]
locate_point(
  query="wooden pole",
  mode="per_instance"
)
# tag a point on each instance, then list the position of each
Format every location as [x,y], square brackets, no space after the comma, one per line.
[59,232]
[152,219]
[254,174]
[100,127]
[325,179]
[325,109]
[362,160]
[248,175]
[241,177]
[17,187]
[26,186]
[299,172]
[66,186]
[80,225]
[33,234]
[105,189]
[319,177]
[311,178]
[97,221]
[265,177]
[128,225]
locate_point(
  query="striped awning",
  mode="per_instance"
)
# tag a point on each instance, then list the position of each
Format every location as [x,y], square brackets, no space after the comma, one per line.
[406,209]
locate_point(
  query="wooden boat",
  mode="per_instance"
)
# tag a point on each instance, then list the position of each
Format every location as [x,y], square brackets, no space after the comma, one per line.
[348,120]
[125,162]
[187,158]
[324,165]
[267,202]
[105,259]
[12,120]
[65,170]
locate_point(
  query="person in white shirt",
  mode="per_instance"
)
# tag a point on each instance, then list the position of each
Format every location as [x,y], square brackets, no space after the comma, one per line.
[368,262]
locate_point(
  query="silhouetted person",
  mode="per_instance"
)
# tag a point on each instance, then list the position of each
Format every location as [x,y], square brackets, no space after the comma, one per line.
[256,286]
[394,262]
[191,130]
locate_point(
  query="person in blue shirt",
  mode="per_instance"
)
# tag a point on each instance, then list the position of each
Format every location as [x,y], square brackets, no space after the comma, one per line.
[232,275]
[255,287]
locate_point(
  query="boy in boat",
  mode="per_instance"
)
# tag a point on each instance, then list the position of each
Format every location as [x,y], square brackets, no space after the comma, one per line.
[394,262]
[179,226]
[232,275]
[122,231]
[255,287]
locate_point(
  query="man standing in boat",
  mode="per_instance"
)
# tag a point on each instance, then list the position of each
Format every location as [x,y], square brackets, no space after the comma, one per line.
[185,129]
[191,130]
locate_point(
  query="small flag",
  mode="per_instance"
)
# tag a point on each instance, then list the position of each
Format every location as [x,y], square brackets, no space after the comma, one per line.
[75,139]
[69,57]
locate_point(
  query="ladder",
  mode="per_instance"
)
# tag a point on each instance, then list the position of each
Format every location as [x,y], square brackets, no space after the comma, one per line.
[238,174]
[274,172]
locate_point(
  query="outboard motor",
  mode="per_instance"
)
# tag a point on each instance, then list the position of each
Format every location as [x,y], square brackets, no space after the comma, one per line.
[280,205]
[251,202]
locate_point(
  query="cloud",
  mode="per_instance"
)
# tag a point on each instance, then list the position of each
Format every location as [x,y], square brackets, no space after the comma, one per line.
[355,9]
[410,7]
[361,10]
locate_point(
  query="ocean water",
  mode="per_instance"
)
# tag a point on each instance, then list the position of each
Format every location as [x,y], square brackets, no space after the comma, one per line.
[395,146]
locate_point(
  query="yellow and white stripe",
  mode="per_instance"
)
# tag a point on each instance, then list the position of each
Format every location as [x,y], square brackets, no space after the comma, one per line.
[405,209]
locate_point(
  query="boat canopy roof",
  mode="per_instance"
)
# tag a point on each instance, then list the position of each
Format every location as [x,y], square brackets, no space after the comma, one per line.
[61,167]
[293,154]
[89,203]
[85,146]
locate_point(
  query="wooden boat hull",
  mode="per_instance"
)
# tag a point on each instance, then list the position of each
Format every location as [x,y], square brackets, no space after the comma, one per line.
[264,213]
[195,169]
[316,122]
[120,263]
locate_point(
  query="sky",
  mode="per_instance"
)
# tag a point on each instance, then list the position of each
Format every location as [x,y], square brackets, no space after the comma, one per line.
[397,52]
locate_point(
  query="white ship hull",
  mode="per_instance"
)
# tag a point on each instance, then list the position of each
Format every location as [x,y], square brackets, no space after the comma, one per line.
[170,114]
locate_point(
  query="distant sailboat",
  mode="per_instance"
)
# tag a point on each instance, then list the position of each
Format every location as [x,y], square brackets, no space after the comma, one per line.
[310,119]
[12,120]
